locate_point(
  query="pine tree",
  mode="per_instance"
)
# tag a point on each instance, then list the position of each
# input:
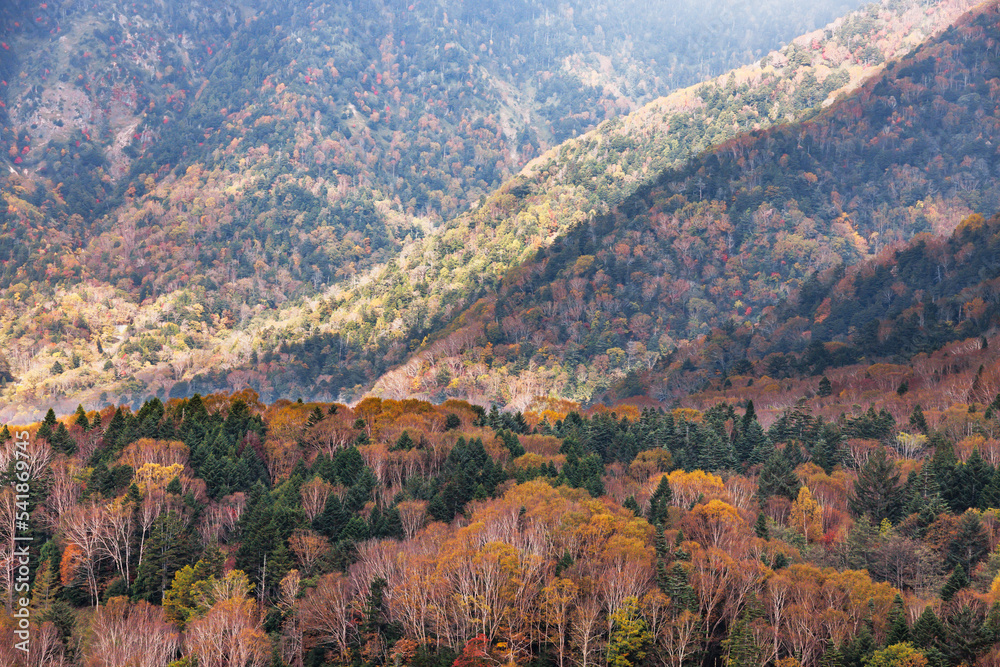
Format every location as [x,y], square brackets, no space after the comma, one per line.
[718,452]
[659,503]
[679,590]
[970,544]
[315,417]
[760,527]
[923,494]
[632,505]
[167,550]
[832,657]
[742,647]
[956,582]
[61,441]
[971,479]
[860,647]
[899,631]
[877,493]
[917,419]
[990,497]
[81,418]
[45,430]
[752,445]
[778,478]
[927,629]
[943,463]
[826,453]
[175,486]
[825,386]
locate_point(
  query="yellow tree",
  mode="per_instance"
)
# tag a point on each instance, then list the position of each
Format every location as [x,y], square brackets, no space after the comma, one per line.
[807,516]
[557,603]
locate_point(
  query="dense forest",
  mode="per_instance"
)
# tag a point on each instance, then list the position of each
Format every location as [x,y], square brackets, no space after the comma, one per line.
[217,530]
[175,291]
[455,334]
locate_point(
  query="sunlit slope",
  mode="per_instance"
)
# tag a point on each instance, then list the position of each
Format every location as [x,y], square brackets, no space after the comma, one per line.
[209,283]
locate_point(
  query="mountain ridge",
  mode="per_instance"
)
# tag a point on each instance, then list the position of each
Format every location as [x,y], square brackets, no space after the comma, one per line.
[513,210]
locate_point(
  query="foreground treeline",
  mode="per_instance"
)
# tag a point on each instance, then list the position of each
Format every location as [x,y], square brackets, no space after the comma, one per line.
[219,532]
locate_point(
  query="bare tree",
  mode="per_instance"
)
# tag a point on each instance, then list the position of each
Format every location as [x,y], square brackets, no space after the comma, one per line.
[137,635]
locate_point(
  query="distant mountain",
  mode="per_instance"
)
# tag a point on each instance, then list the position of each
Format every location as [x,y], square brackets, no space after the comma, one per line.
[634,300]
[225,214]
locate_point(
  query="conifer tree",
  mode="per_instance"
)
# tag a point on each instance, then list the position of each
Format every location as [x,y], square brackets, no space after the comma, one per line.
[45,430]
[923,496]
[742,647]
[877,492]
[970,544]
[917,419]
[659,502]
[990,497]
[899,630]
[832,657]
[826,453]
[80,418]
[859,648]
[956,582]
[971,479]
[760,527]
[679,590]
[927,629]
[752,445]
[718,452]
[778,478]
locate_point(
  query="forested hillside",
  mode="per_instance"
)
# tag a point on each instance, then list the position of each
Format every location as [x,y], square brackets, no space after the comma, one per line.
[715,245]
[441,335]
[407,533]
[175,292]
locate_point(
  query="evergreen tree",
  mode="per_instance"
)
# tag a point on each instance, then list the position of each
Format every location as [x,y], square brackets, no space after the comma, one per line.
[956,582]
[174,486]
[832,657]
[970,544]
[760,527]
[917,420]
[964,635]
[632,505]
[923,496]
[718,452]
[45,430]
[825,387]
[927,629]
[899,630]
[751,444]
[741,647]
[80,418]
[315,417]
[167,550]
[877,493]
[826,453]
[943,463]
[859,648]
[971,480]
[778,478]
[679,590]
[659,502]
[61,441]
[990,497]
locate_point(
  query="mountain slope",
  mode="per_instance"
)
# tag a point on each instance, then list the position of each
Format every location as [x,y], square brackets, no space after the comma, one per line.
[195,257]
[724,238]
